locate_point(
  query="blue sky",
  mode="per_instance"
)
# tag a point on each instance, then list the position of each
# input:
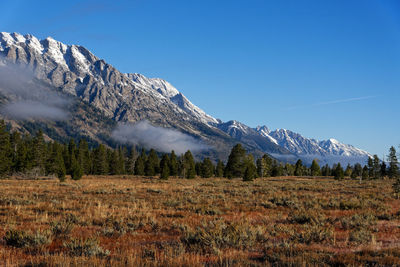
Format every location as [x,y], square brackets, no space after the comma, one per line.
[321,68]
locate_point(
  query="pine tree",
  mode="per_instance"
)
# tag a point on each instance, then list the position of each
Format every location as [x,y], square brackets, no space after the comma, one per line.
[39,153]
[198,168]
[339,173]
[326,170]
[189,165]
[393,170]
[298,171]
[130,163]
[207,168]
[164,167]
[5,150]
[315,169]
[173,164]
[84,156]
[113,162]
[152,165]
[121,160]
[348,171]
[365,173]
[383,171]
[376,167]
[139,166]
[370,167]
[76,170]
[219,170]
[357,171]
[250,169]
[235,166]
[100,163]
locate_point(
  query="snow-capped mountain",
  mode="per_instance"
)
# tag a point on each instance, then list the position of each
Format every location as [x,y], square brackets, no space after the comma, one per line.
[328,151]
[244,133]
[73,70]
[170,92]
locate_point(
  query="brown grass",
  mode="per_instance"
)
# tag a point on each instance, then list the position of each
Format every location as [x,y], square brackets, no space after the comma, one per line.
[136,221]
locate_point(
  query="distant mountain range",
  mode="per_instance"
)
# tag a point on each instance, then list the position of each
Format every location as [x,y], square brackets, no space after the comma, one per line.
[100,97]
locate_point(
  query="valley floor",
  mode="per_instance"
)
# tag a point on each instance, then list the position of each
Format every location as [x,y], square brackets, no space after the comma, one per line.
[135,221]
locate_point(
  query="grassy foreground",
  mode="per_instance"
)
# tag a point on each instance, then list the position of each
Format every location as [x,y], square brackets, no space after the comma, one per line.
[102,221]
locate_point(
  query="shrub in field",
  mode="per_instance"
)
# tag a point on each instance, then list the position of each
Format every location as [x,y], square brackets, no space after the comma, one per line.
[86,247]
[303,216]
[358,221]
[361,236]
[315,234]
[61,228]
[216,235]
[23,239]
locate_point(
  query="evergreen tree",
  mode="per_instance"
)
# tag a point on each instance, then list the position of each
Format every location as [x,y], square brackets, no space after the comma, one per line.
[39,153]
[76,170]
[84,156]
[152,165]
[219,170]
[383,171]
[348,171]
[189,165]
[113,167]
[377,167]
[164,167]
[173,164]
[393,170]
[289,169]
[315,169]
[121,160]
[130,163]
[5,150]
[370,167]
[198,168]
[357,171]
[207,168]
[326,170]
[339,173]
[365,173]
[139,166]
[250,169]
[298,171]
[100,163]
[235,166]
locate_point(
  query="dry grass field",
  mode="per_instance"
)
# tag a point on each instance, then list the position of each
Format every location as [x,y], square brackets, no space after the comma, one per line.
[133,221]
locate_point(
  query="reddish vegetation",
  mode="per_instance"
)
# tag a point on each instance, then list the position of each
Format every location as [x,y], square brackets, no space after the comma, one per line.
[126,220]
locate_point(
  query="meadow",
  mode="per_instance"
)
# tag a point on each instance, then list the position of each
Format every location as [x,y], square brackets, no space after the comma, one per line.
[142,221]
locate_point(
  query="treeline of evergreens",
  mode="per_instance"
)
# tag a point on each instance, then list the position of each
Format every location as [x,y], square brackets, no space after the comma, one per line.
[33,156]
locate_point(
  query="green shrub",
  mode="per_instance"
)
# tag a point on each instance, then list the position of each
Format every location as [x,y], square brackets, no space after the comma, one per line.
[61,228]
[23,239]
[315,234]
[303,216]
[361,236]
[358,221]
[216,235]
[86,247]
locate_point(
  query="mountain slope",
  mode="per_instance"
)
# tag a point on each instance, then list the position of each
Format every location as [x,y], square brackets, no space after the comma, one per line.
[329,151]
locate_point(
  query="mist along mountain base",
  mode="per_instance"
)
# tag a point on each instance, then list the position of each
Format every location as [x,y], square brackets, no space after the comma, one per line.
[136,221]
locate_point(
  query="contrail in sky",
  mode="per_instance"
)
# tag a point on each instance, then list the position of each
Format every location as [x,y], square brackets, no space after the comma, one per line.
[346,100]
